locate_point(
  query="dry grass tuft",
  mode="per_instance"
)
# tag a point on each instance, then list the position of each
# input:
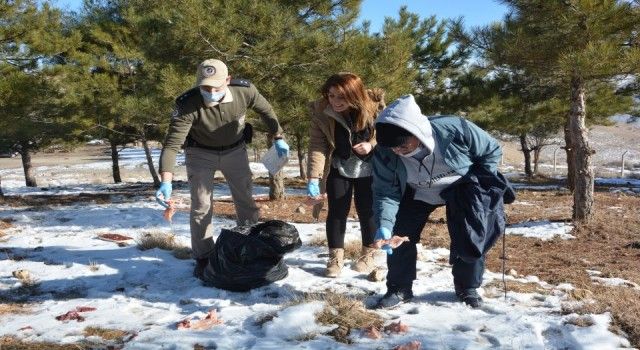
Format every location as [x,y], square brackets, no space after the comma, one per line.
[264,318]
[161,240]
[625,309]
[182,253]
[93,266]
[14,308]
[6,223]
[107,334]
[580,294]
[12,343]
[580,321]
[164,241]
[341,310]
[345,312]
[30,285]
[583,308]
[306,337]
[495,288]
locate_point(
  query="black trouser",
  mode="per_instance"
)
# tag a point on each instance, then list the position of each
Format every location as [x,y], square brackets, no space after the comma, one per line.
[340,189]
[410,220]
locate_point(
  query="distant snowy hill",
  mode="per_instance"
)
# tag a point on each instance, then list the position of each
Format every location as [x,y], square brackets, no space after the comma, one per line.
[626,119]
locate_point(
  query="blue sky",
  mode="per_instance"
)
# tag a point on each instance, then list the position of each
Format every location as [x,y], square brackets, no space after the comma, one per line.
[475,12]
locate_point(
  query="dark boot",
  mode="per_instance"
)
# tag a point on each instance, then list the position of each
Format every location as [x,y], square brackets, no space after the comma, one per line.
[394,297]
[201,264]
[469,296]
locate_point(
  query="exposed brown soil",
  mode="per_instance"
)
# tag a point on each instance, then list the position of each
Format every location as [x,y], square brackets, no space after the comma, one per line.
[609,244]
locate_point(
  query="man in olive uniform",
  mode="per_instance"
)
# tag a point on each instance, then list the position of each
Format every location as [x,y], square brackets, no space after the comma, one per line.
[209,120]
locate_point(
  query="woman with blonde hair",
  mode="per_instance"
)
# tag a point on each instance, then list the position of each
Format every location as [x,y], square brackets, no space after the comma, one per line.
[342,137]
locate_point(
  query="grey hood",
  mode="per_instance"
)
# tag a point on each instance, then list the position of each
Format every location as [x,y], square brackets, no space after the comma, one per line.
[405,113]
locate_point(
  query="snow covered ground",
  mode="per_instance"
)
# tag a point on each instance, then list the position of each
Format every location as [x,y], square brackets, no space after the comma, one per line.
[147,293]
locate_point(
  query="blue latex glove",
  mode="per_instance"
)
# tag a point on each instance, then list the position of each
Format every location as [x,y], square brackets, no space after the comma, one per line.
[282,148]
[163,194]
[384,233]
[313,188]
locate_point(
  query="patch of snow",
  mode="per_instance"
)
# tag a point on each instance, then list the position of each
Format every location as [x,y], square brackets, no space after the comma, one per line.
[544,230]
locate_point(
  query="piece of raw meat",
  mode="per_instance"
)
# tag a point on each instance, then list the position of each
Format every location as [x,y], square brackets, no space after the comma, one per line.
[114,237]
[394,242]
[413,345]
[396,327]
[372,332]
[168,213]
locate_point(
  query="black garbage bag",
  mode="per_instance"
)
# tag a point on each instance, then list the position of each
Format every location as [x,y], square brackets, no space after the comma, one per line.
[247,257]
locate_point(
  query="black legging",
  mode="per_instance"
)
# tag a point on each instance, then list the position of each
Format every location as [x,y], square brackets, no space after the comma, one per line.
[340,189]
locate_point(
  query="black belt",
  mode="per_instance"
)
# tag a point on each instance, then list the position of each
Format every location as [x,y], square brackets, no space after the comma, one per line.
[193,143]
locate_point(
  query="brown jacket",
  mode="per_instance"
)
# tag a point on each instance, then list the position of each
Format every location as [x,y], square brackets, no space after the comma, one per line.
[321,135]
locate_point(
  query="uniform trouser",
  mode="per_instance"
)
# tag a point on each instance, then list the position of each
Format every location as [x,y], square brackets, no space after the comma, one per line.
[201,167]
[340,189]
[410,220]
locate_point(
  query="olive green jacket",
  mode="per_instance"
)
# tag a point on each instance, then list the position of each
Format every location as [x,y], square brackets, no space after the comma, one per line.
[216,126]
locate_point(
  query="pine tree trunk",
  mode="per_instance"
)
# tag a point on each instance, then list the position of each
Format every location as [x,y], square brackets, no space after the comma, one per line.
[276,186]
[536,159]
[29,177]
[276,183]
[301,162]
[1,193]
[115,166]
[527,155]
[152,168]
[568,148]
[584,180]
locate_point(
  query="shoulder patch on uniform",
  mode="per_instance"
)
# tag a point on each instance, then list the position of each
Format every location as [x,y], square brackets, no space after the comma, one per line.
[186,95]
[240,82]
[175,112]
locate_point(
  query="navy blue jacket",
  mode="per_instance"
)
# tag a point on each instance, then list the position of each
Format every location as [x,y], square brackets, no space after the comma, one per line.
[475,212]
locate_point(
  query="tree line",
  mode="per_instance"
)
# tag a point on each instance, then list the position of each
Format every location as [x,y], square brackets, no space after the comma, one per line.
[112,69]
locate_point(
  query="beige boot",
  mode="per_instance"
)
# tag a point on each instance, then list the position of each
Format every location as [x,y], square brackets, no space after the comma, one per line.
[336,262]
[365,262]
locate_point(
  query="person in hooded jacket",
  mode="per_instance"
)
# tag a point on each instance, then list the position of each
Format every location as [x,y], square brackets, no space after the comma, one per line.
[417,160]
[342,137]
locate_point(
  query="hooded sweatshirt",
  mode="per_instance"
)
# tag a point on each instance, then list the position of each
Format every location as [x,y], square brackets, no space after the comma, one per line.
[460,143]
[427,172]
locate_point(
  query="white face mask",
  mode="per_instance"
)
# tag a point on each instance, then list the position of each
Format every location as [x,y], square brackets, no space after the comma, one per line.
[210,97]
[412,153]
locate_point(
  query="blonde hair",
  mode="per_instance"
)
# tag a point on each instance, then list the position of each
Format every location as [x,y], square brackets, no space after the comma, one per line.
[359,99]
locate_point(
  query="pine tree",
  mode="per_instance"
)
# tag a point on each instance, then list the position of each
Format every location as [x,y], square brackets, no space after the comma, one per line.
[34,47]
[119,89]
[573,43]
[281,46]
